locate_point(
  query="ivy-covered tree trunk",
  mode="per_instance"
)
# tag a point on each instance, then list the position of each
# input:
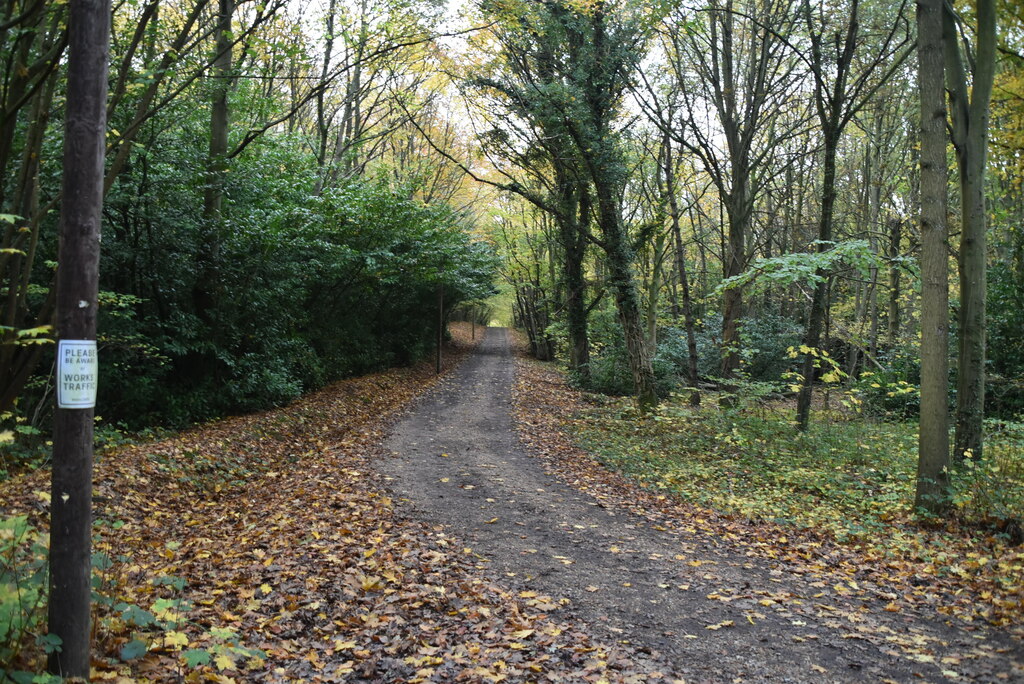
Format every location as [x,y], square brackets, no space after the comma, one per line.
[619,257]
[574,215]
[576,307]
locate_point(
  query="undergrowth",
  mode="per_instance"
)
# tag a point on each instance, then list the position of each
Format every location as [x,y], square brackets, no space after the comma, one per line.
[850,476]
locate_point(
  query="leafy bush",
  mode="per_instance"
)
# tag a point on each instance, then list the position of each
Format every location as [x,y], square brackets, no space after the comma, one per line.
[609,363]
[293,291]
[992,490]
[894,391]
[23,553]
[764,339]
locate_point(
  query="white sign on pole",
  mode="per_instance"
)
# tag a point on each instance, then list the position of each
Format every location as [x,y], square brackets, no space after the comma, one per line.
[77,374]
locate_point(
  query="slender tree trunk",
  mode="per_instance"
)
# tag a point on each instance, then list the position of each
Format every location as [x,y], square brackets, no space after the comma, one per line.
[819,300]
[895,238]
[933,441]
[689,321]
[734,264]
[208,271]
[322,124]
[78,280]
[653,290]
[970,117]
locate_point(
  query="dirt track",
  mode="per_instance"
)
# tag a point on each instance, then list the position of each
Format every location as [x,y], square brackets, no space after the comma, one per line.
[703,611]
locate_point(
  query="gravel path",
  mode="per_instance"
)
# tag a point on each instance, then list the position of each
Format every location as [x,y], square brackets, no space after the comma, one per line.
[702,612]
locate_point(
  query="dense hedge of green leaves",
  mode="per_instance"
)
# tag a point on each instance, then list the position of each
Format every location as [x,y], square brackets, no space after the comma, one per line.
[297,288]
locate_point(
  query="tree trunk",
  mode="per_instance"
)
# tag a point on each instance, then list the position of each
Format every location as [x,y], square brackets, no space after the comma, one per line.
[208,272]
[819,300]
[933,440]
[970,118]
[77,285]
[653,290]
[620,272]
[734,264]
[576,205]
[895,238]
[689,321]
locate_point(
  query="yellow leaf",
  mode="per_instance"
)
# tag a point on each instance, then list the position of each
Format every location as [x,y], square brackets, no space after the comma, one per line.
[522,633]
[266,588]
[6,436]
[344,645]
[370,583]
[720,625]
[176,639]
[224,662]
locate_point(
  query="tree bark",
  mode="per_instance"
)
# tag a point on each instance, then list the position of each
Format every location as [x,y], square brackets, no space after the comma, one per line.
[933,441]
[970,121]
[819,300]
[623,282]
[77,285]
[895,238]
[208,271]
[575,202]
[689,320]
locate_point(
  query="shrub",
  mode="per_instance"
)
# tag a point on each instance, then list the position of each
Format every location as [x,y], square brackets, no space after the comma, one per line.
[23,580]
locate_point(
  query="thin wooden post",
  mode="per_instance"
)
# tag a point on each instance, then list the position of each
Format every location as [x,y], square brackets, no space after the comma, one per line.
[440,325]
[77,284]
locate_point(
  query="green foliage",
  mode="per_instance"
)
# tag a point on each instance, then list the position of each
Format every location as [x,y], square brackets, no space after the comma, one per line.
[22,446]
[1005,315]
[765,339]
[806,268]
[301,289]
[609,363]
[23,577]
[892,391]
[992,490]
[852,477]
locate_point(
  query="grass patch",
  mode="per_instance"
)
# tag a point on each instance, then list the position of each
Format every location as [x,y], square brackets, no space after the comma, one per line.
[849,476]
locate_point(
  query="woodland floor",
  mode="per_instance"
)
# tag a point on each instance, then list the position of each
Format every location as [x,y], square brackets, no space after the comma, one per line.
[363,534]
[697,598]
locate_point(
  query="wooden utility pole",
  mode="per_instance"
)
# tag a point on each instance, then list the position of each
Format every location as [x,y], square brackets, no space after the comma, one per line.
[77,285]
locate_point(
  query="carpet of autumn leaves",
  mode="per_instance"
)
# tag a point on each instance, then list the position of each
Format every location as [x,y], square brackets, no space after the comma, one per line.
[264,548]
[980,583]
